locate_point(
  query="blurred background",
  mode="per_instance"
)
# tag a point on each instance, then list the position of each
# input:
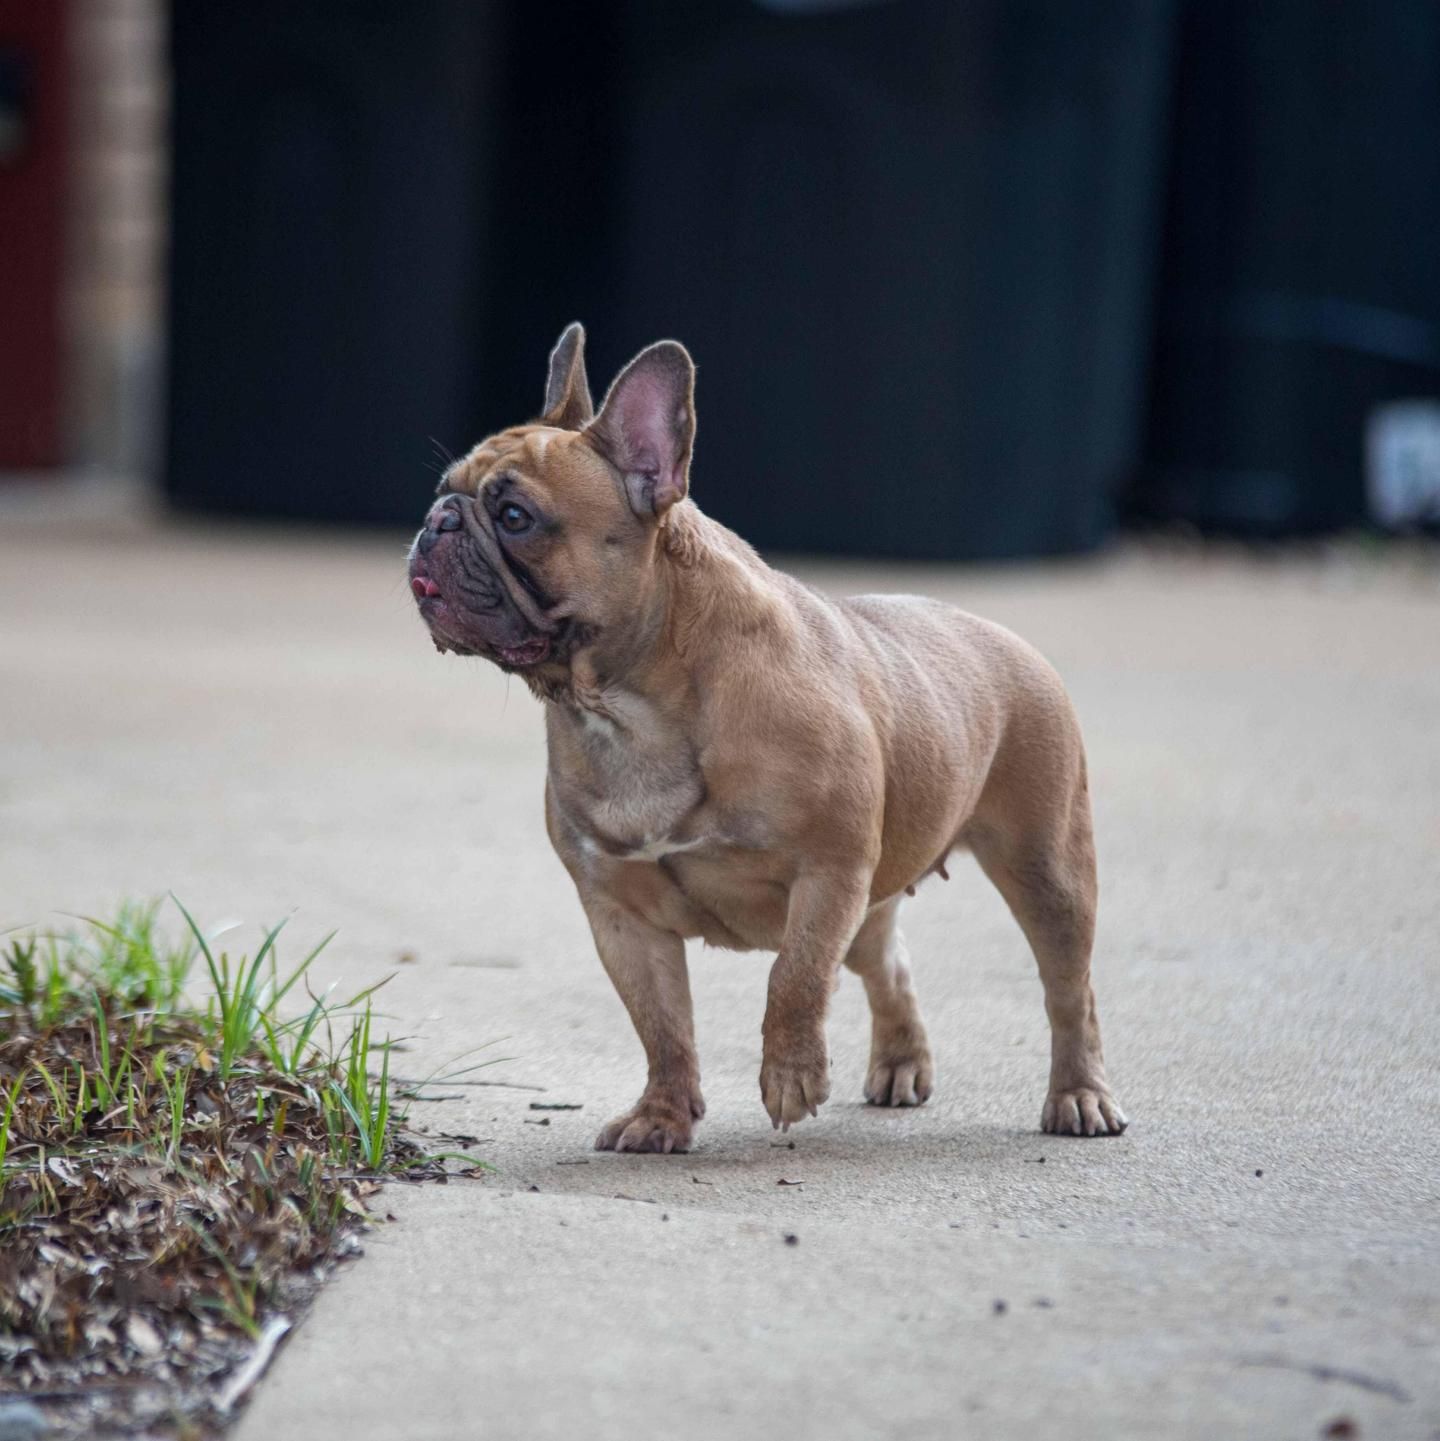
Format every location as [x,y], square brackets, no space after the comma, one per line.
[965,279]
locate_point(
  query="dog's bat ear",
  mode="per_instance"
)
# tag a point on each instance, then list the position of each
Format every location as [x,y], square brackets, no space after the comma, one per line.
[567,391]
[646,428]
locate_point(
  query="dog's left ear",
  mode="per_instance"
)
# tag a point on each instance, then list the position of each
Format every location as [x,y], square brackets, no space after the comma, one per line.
[646,428]
[567,391]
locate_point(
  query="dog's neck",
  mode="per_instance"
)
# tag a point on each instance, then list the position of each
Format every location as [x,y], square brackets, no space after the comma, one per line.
[700,592]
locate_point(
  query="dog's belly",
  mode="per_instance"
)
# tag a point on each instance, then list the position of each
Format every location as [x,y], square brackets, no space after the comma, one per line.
[726,898]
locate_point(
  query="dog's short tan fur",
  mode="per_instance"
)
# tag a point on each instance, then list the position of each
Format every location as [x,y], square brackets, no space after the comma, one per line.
[734,757]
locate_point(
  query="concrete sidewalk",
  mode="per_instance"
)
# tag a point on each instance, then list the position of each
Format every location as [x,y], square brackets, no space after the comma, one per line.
[257,722]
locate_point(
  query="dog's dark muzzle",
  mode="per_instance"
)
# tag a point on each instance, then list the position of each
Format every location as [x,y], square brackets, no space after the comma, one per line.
[482,560]
[443,518]
[472,598]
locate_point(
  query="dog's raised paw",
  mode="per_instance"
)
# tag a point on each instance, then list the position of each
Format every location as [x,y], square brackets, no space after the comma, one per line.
[794,1089]
[653,1124]
[900,1080]
[1082,1112]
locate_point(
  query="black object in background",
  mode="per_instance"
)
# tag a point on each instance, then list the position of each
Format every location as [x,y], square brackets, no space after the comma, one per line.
[327,252]
[1300,286]
[911,248]
[909,244]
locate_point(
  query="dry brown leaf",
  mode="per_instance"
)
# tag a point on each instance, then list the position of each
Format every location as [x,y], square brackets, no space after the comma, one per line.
[142,1335]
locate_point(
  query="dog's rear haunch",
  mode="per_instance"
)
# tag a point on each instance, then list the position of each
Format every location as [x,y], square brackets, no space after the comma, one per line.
[734,757]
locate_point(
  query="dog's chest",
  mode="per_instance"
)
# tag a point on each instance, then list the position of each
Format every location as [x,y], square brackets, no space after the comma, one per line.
[632,784]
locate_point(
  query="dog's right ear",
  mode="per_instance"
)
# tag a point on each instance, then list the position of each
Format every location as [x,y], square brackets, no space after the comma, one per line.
[567,391]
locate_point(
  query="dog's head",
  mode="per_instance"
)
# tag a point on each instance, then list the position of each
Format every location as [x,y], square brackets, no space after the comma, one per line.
[543,536]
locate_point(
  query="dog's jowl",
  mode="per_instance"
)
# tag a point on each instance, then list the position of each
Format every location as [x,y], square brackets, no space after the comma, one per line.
[736,758]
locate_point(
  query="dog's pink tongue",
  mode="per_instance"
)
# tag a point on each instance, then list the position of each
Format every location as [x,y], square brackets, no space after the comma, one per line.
[424,587]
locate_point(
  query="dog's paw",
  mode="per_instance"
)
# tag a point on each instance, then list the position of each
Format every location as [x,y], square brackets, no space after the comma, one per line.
[654,1123]
[795,1084]
[900,1080]
[1084,1111]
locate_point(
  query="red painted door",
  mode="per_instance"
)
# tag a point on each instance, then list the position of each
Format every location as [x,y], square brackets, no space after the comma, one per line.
[32,212]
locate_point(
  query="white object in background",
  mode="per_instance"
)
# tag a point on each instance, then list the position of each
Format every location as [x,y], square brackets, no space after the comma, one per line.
[1402,462]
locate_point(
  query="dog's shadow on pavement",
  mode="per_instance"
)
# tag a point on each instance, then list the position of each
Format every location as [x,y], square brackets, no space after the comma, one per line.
[865,1148]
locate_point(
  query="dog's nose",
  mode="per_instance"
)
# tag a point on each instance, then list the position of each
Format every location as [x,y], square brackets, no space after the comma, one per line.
[444,515]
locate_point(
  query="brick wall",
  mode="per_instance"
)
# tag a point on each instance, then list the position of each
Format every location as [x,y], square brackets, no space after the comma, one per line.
[114,290]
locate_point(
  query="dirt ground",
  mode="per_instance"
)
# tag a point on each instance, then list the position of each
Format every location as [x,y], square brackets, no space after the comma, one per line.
[254,720]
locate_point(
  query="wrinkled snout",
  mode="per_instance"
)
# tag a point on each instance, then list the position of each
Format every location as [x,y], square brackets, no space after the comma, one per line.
[461,598]
[446,566]
[444,516]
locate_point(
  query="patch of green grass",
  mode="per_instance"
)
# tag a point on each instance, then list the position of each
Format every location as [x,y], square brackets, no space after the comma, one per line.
[131,960]
[290,1046]
[366,1104]
[175,1154]
[37,986]
[248,997]
[123,980]
[49,975]
[5,1126]
[176,1087]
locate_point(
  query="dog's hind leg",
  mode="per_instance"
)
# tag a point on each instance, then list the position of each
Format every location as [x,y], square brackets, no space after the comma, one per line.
[1044,866]
[901,1072]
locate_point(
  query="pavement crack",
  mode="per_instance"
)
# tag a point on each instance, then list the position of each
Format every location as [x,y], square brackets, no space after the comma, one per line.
[1378,1385]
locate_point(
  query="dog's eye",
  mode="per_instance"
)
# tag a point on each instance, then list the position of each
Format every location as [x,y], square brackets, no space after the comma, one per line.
[514,518]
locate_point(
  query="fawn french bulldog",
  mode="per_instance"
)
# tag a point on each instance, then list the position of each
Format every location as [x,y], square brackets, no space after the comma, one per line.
[736,758]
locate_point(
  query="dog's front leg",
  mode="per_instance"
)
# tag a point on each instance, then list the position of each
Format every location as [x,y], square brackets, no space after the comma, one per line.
[824,914]
[647,967]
